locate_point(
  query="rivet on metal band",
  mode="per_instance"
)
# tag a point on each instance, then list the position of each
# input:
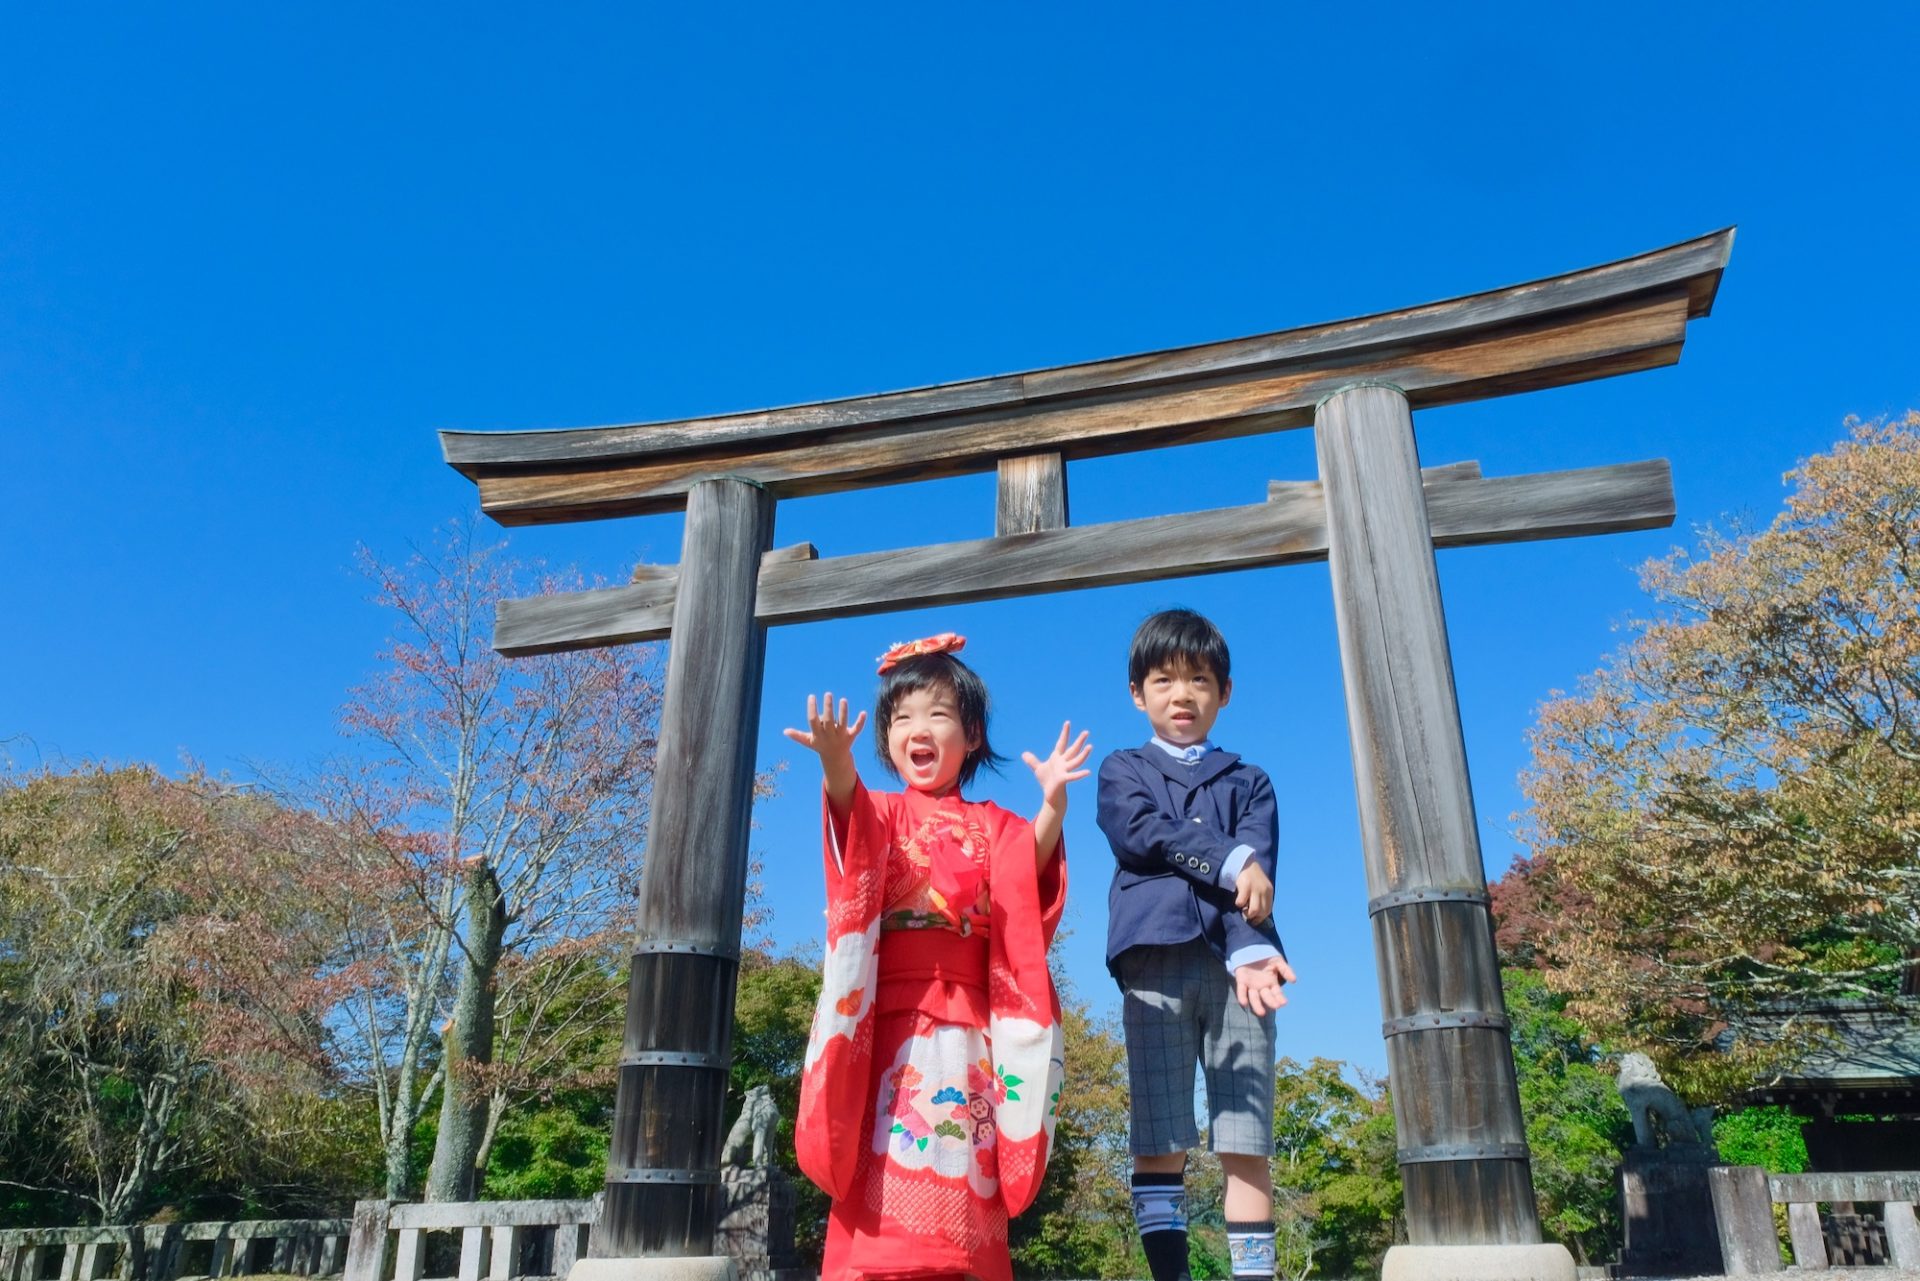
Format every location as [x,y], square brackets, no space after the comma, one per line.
[683,1177]
[1463,1152]
[688,947]
[1426,894]
[675,1058]
[1434,1022]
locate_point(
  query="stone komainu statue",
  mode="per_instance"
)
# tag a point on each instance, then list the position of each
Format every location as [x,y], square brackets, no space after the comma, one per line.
[753,1131]
[1647,1096]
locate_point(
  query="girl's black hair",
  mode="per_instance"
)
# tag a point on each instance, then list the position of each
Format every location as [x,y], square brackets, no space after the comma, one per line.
[1178,637]
[937,671]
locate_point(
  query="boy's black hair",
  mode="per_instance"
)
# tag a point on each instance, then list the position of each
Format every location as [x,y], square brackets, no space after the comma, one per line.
[1178,636]
[935,671]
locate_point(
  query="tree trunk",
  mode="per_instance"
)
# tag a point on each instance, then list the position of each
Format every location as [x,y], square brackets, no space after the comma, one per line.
[496,1108]
[397,1163]
[121,1195]
[467,1044]
[405,1097]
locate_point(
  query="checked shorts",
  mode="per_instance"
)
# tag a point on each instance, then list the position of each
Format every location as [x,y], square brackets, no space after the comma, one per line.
[1179,1010]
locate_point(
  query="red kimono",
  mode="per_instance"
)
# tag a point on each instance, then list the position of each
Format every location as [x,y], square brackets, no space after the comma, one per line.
[934,1067]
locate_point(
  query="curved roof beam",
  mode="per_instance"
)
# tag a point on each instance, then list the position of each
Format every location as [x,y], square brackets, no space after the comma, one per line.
[1617,318]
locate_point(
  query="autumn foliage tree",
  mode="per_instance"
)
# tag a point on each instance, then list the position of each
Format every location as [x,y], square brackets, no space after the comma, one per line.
[1728,812]
[1577,1126]
[163,989]
[491,813]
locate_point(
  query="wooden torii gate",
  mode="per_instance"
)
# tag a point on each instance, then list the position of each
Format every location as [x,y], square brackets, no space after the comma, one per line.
[1373,514]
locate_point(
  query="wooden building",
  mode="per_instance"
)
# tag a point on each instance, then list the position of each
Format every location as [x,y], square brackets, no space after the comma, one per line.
[1860,1086]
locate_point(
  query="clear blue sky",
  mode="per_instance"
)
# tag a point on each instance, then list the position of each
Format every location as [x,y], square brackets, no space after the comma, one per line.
[253,256]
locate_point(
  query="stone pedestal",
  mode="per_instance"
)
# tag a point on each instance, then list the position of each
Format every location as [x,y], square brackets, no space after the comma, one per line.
[1547,1262]
[756,1224]
[692,1268]
[1666,1208]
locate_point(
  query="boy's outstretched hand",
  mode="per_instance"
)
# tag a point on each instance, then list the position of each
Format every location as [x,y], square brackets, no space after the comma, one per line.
[1253,894]
[1257,986]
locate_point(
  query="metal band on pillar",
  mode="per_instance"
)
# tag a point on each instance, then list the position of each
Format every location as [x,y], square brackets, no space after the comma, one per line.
[1427,894]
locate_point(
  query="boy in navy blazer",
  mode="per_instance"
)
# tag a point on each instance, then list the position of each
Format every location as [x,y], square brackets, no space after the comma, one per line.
[1190,939]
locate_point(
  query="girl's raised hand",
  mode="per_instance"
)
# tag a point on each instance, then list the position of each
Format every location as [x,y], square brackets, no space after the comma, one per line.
[1063,765]
[827,731]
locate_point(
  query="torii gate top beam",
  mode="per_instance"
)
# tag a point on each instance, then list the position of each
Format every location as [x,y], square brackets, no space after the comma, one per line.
[1612,319]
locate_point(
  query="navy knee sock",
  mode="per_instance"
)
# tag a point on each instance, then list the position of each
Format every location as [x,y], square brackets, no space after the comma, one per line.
[1160,1210]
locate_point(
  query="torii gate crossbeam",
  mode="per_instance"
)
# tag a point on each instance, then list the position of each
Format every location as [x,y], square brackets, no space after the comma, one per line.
[1373,514]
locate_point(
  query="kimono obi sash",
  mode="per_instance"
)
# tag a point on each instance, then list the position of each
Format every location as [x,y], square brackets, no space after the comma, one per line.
[935,972]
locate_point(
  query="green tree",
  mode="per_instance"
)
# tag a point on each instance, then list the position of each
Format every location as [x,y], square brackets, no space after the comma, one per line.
[772,1016]
[555,1144]
[1765,1136]
[1081,1223]
[558,1151]
[1577,1126]
[1337,1195]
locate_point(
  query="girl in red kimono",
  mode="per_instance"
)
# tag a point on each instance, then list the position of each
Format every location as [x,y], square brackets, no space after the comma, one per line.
[934,1067]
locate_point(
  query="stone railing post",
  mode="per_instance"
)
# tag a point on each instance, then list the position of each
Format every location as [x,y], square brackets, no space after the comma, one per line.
[367,1242]
[1743,1213]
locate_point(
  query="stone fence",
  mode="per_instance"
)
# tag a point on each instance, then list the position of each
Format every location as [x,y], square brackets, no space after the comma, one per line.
[384,1241]
[163,1252]
[498,1239]
[1743,1201]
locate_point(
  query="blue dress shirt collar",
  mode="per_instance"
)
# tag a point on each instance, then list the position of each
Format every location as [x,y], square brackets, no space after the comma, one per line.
[1187,755]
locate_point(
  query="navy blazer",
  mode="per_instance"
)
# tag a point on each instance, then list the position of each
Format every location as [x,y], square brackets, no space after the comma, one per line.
[1172,826]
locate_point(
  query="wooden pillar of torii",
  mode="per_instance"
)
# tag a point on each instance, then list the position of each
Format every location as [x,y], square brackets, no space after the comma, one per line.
[1373,513]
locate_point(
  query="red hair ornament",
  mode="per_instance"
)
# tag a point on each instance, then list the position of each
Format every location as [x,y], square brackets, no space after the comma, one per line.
[944,643]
